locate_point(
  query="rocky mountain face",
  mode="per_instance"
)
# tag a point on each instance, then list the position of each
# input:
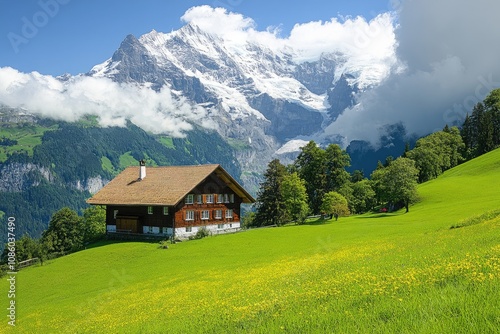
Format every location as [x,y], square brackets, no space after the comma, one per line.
[255,95]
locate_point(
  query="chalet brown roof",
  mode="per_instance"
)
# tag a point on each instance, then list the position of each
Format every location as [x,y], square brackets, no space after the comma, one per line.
[165,186]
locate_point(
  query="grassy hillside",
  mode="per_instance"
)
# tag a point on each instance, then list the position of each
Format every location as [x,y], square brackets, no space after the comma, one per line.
[380,273]
[23,138]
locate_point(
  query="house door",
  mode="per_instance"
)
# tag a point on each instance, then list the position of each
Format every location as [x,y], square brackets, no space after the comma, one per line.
[127,225]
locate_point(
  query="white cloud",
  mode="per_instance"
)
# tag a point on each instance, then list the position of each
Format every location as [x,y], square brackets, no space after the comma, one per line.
[352,37]
[451,64]
[113,103]
[235,29]
[217,21]
[368,45]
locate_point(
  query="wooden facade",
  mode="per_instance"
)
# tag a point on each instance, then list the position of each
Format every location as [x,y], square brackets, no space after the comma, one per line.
[133,218]
[209,197]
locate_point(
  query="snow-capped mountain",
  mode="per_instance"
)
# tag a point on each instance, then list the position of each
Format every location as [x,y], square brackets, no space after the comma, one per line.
[260,97]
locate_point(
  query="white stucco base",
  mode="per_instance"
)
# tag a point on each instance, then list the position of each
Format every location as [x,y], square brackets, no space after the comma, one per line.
[181,232]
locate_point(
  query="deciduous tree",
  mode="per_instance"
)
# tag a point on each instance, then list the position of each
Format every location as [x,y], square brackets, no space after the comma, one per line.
[294,195]
[93,223]
[400,181]
[377,182]
[335,204]
[437,153]
[64,233]
[363,196]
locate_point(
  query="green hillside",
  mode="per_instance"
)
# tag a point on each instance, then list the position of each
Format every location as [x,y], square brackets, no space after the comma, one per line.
[378,273]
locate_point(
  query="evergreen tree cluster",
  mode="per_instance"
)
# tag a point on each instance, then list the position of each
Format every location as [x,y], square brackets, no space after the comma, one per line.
[7,142]
[481,130]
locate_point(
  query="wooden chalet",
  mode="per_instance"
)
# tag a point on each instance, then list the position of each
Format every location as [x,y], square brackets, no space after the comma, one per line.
[172,201]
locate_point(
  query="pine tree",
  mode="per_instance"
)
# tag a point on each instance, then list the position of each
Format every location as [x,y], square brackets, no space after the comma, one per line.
[270,205]
[467,133]
[400,180]
[486,134]
[492,104]
[336,162]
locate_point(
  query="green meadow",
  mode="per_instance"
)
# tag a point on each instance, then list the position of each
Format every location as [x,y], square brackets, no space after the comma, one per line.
[26,136]
[435,269]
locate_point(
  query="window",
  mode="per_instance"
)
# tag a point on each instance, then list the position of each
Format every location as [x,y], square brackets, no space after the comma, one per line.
[205,214]
[150,229]
[226,198]
[218,214]
[220,198]
[115,213]
[210,198]
[190,215]
[199,199]
[229,213]
[189,229]
[165,210]
[220,226]
[150,210]
[231,198]
[190,199]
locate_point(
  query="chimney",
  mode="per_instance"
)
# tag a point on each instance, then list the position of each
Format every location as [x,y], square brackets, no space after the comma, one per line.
[142,170]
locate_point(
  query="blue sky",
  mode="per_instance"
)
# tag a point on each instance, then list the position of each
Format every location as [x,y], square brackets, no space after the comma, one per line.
[58,36]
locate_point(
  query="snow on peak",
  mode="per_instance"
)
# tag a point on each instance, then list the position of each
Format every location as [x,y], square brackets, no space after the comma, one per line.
[292,146]
[235,61]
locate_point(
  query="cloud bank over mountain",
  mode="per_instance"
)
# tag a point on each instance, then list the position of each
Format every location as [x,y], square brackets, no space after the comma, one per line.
[113,103]
[451,63]
[362,42]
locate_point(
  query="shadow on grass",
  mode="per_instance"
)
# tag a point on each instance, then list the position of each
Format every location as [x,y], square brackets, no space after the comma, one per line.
[104,242]
[319,221]
[377,215]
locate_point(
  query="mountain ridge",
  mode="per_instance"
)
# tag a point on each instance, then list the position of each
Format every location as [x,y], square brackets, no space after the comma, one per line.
[251,91]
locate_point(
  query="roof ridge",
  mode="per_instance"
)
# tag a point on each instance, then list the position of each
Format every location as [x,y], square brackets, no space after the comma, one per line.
[177,166]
